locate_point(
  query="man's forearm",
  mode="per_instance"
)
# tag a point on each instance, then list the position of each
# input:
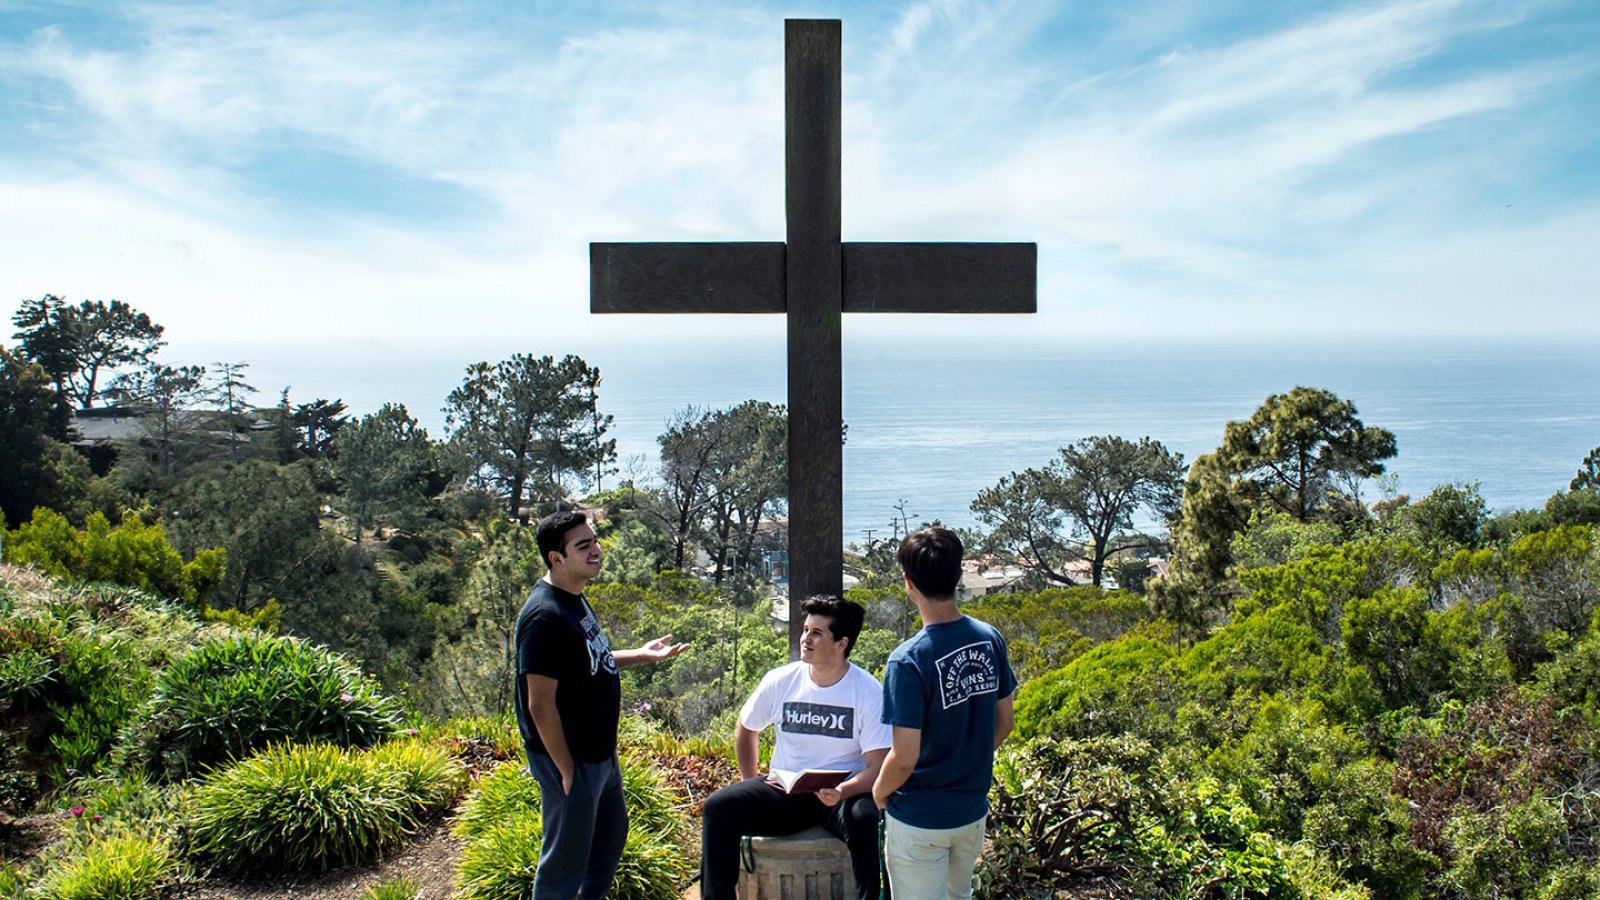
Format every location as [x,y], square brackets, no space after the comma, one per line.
[747,750]
[548,724]
[862,781]
[1004,720]
[627,659]
[894,773]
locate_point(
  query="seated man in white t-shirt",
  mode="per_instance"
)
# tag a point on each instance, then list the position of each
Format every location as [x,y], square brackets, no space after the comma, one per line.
[828,714]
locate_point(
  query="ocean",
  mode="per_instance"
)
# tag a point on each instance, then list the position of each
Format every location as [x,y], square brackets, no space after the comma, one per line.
[930,425]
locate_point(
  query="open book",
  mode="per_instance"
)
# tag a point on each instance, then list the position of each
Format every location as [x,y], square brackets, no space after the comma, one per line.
[808,781]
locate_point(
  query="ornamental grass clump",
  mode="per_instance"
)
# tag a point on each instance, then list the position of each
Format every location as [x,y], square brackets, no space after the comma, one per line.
[500,827]
[429,776]
[297,808]
[401,888]
[119,867]
[237,694]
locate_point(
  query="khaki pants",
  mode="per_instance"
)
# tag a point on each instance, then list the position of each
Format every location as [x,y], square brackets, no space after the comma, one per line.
[931,863]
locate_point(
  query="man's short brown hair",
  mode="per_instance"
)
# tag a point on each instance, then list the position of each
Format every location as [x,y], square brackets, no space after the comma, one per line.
[931,559]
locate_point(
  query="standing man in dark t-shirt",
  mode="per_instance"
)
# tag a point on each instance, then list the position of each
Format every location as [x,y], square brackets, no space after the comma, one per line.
[568,700]
[947,695]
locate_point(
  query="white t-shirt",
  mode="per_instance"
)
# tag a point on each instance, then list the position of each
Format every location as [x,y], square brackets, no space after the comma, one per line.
[819,727]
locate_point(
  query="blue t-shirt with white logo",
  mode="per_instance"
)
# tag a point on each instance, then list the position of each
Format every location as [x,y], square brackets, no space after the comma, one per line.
[946,681]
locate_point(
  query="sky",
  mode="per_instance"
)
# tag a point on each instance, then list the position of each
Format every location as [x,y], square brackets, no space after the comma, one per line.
[434,172]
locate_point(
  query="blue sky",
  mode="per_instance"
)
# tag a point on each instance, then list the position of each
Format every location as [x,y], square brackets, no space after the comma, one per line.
[435,172]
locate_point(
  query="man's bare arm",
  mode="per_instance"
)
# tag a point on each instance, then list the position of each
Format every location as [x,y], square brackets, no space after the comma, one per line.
[1004,720]
[897,766]
[747,750]
[655,651]
[542,709]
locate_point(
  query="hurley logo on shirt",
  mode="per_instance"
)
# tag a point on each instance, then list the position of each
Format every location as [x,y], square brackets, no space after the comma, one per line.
[815,718]
[967,672]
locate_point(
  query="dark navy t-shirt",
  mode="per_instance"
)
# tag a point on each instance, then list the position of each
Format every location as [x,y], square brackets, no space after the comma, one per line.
[559,637]
[947,681]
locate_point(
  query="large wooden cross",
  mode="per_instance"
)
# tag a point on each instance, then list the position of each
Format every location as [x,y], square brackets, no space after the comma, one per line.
[812,278]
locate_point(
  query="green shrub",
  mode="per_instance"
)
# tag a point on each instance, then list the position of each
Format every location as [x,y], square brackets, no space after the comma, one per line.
[88,677]
[1571,881]
[134,801]
[1498,790]
[24,675]
[1504,852]
[499,860]
[292,808]
[1127,685]
[401,888]
[500,829]
[230,696]
[132,554]
[29,646]
[106,677]
[499,732]
[1571,681]
[1266,652]
[428,775]
[1059,807]
[120,867]
[506,794]
[1314,780]
[12,880]
[652,868]
[1047,629]
[1062,807]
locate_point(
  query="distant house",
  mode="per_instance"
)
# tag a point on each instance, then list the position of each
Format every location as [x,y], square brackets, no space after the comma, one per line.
[100,432]
[103,433]
[983,574]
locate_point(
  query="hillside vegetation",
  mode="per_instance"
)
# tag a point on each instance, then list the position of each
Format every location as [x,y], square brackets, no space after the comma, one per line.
[276,641]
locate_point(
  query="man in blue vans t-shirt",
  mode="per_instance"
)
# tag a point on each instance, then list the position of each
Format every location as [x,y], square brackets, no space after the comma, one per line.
[947,694]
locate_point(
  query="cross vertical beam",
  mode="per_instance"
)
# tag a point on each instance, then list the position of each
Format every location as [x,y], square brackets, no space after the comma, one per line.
[813,279]
[814,290]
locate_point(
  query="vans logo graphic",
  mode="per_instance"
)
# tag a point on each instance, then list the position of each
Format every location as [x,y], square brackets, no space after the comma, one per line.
[966,673]
[815,718]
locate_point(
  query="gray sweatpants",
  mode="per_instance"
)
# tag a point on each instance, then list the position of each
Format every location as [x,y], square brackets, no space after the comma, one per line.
[584,831]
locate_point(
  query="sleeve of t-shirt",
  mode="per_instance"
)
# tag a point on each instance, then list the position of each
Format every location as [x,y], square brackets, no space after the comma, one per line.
[872,732]
[761,707]
[902,694]
[542,645]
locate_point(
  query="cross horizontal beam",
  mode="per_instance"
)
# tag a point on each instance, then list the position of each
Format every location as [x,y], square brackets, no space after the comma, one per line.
[749,277]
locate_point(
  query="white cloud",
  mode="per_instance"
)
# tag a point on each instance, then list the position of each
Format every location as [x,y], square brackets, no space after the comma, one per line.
[1206,183]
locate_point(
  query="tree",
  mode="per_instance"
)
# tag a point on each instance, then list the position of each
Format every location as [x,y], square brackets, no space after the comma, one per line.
[29,415]
[76,345]
[383,462]
[521,424]
[1078,506]
[687,448]
[1305,452]
[319,421]
[229,391]
[1588,477]
[723,472]
[171,425]
[266,517]
[750,480]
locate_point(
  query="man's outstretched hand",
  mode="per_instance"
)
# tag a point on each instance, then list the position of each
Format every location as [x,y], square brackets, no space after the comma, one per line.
[655,651]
